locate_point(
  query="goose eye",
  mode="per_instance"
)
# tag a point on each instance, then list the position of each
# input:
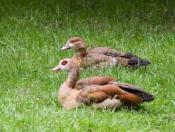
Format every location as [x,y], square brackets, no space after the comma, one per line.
[64,62]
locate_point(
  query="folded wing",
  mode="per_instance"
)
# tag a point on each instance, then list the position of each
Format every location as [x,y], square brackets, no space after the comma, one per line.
[95,80]
[133,89]
[98,94]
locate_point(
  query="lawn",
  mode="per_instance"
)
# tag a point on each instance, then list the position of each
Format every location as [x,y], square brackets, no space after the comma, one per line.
[31,35]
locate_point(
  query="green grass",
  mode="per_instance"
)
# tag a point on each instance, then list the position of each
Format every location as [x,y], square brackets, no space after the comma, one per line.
[31,35]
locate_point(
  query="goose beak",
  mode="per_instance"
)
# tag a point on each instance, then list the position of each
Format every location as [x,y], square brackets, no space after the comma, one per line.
[65,47]
[56,69]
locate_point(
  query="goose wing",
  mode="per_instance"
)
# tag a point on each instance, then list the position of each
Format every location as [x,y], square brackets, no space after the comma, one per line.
[98,94]
[135,90]
[95,80]
[127,59]
[107,51]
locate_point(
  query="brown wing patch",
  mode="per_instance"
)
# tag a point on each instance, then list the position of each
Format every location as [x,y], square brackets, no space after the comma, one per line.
[121,94]
[101,93]
[75,39]
[96,80]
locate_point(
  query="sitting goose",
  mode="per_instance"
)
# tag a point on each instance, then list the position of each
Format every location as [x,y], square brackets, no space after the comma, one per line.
[101,55]
[99,91]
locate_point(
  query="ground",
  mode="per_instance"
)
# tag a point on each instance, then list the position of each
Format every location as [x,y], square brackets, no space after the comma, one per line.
[31,35]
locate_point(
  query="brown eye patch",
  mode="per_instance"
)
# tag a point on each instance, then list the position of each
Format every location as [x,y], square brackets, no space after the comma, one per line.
[72,40]
[64,62]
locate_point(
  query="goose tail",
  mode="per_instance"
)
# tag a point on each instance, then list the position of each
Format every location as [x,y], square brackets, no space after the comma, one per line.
[130,59]
[137,62]
[144,95]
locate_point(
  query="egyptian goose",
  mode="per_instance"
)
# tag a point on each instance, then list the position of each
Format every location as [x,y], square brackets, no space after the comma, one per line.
[100,55]
[99,91]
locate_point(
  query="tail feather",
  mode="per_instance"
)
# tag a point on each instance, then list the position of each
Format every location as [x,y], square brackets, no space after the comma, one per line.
[144,95]
[133,60]
[136,62]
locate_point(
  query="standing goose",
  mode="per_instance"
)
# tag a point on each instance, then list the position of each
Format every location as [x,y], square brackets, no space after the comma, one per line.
[101,55]
[99,91]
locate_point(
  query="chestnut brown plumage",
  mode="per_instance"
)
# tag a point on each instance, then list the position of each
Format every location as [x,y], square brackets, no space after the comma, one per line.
[101,55]
[99,91]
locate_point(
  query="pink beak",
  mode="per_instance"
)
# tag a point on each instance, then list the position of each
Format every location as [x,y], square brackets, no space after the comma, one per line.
[56,69]
[65,47]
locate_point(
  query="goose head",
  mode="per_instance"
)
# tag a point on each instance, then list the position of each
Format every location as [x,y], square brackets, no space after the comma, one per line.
[65,65]
[76,43]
